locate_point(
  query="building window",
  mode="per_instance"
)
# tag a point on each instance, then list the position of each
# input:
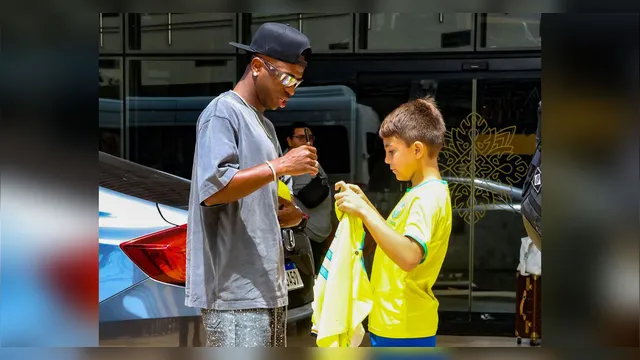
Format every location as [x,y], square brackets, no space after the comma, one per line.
[509,31]
[165,100]
[182,32]
[393,32]
[110,105]
[110,32]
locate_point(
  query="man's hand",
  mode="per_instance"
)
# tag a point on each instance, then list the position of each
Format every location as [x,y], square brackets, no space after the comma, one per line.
[299,161]
[288,214]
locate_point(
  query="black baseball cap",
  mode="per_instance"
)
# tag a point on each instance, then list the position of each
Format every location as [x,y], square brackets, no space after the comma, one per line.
[279,41]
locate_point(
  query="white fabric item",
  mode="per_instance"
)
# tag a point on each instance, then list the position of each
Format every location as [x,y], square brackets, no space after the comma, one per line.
[530,258]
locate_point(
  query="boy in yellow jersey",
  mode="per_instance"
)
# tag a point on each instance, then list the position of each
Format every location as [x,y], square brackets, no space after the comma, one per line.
[413,240]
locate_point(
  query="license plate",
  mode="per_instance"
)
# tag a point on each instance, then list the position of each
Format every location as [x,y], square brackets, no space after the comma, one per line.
[294,280]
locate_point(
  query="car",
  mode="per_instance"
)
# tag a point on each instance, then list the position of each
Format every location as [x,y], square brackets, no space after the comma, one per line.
[142,260]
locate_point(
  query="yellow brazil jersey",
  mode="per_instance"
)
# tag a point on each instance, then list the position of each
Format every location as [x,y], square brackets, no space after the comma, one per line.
[342,292]
[404,305]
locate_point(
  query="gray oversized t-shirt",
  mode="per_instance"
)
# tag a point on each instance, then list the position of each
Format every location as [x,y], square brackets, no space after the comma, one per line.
[235,256]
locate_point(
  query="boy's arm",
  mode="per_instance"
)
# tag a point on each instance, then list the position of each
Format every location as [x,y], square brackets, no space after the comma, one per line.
[405,251]
[402,250]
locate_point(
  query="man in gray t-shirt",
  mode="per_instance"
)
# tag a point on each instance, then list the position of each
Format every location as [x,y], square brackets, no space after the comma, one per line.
[235,259]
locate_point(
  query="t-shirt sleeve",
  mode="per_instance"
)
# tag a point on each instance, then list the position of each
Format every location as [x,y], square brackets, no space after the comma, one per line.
[419,225]
[218,160]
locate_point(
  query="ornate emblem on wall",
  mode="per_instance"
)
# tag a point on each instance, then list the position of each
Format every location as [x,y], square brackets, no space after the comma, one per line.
[494,161]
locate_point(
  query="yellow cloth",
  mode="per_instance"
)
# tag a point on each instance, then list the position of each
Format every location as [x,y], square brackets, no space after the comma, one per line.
[404,304]
[283,190]
[342,292]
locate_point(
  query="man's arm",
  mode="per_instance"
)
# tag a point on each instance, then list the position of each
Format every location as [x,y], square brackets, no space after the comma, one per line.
[402,250]
[218,178]
[242,184]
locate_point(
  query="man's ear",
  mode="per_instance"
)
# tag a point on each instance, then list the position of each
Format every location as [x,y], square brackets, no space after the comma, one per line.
[256,65]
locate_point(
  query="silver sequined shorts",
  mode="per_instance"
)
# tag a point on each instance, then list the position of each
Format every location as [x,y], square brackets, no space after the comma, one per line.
[246,328]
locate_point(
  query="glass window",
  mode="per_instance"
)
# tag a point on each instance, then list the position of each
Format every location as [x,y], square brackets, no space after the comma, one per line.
[110,33]
[110,105]
[416,32]
[509,31]
[291,19]
[329,32]
[166,99]
[382,96]
[505,142]
[194,32]
[454,98]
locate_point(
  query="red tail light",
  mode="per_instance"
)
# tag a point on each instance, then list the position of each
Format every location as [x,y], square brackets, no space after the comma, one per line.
[161,255]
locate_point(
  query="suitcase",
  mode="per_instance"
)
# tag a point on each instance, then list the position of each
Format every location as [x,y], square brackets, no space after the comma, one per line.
[528,309]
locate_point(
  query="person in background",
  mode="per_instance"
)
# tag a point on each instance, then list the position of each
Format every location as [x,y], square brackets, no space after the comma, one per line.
[413,240]
[235,251]
[313,194]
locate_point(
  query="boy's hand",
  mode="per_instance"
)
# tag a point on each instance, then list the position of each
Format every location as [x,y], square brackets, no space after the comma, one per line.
[349,202]
[341,185]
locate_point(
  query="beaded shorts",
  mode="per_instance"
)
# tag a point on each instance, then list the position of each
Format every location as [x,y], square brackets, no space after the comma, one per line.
[246,328]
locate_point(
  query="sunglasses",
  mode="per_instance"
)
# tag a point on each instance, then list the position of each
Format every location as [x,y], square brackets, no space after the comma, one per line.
[287,80]
[304,138]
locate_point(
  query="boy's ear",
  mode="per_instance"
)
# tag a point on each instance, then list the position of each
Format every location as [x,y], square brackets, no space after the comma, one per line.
[419,149]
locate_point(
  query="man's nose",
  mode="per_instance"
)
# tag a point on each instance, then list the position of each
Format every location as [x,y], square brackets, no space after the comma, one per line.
[290,90]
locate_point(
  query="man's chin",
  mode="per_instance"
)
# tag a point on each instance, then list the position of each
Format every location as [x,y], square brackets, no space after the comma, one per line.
[274,107]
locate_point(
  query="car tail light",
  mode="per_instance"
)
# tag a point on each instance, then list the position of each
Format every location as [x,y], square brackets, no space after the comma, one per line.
[161,255]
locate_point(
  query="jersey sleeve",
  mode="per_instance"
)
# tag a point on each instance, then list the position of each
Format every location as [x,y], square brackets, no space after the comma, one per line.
[419,225]
[218,160]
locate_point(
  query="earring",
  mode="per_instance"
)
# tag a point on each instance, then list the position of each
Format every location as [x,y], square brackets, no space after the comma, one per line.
[255,74]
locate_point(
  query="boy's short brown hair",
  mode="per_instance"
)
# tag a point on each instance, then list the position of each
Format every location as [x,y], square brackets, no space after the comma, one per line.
[416,120]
